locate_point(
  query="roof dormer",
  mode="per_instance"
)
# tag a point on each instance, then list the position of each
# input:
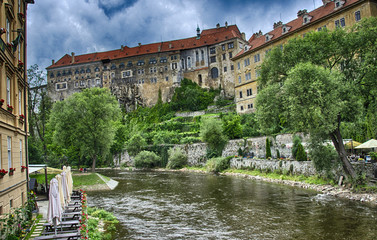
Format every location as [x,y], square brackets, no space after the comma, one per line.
[339,3]
[268,37]
[306,18]
[285,28]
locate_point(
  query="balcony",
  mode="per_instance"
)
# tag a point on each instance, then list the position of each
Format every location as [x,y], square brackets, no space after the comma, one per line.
[2,45]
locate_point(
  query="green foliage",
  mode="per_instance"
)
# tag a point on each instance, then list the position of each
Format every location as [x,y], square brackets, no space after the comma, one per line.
[277,154]
[189,140]
[268,148]
[323,156]
[191,97]
[119,139]
[109,220]
[86,120]
[250,126]
[146,159]
[373,155]
[296,141]
[177,158]
[135,144]
[232,126]
[165,137]
[218,164]
[301,154]
[211,133]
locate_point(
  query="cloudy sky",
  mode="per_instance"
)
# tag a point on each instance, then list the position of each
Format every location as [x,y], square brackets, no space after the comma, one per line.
[57,27]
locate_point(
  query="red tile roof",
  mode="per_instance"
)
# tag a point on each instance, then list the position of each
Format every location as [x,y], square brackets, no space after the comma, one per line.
[317,14]
[207,37]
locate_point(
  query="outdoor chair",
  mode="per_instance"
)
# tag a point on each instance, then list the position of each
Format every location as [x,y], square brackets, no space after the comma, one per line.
[69,236]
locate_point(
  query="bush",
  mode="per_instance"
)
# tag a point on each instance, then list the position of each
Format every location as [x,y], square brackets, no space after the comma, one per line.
[211,133]
[296,142]
[324,157]
[189,140]
[165,137]
[146,159]
[135,144]
[217,165]
[301,154]
[277,154]
[232,126]
[268,148]
[177,158]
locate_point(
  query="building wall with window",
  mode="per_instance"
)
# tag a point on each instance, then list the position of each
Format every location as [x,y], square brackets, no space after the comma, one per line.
[135,75]
[332,14]
[13,95]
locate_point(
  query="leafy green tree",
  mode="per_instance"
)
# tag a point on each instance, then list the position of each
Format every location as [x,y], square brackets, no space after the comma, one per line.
[277,154]
[232,126]
[268,148]
[136,144]
[301,154]
[250,126]
[86,121]
[211,133]
[315,83]
[296,141]
[146,159]
[177,158]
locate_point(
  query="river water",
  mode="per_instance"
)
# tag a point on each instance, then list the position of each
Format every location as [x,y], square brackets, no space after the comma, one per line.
[181,205]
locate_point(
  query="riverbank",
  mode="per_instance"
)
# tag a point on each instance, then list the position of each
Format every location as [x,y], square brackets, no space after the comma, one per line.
[336,191]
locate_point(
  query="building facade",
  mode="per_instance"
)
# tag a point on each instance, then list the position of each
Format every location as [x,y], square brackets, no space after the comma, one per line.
[332,14]
[13,101]
[135,75]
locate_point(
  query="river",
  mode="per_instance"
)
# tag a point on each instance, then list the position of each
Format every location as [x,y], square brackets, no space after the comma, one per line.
[182,205]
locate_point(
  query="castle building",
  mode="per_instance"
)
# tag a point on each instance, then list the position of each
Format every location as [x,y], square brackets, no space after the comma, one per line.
[332,14]
[136,74]
[13,104]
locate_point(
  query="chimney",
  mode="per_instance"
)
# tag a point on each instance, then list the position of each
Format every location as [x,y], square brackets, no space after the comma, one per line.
[139,44]
[218,25]
[278,24]
[73,57]
[301,12]
[170,45]
[159,48]
[121,47]
[243,36]
[325,2]
[226,24]
[53,61]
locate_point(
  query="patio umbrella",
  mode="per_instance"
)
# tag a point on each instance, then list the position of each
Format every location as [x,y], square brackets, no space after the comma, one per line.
[54,214]
[69,180]
[351,144]
[368,144]
[61,194]
[67,197]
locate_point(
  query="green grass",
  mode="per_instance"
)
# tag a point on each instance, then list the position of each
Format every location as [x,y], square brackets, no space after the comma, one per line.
[298,178]
[196,168]
[106,178]
[78,179]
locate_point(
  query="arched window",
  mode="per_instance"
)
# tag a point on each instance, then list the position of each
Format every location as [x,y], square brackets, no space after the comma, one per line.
[214,72]
[183,63]
[188,62]
[200,79]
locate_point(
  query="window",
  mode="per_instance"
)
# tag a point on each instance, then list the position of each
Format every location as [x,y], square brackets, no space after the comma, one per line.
[8,91]
[188,62]
[232,67]
[247,62]
[8,30]
[9,145]
[321,28]
[98,81]
[257,73]
[230,55]
[250,106]
[239,79]
[174,66]
[19,101]
[342,22]
[224,56]
[212,50]
[152,61]
[153,80]
[240,94]
[268,51]
[21,152]
[88,69]
[197,56]
[214,72]
[249,92]
[337,23]
[82,71]
[163,60]
[140,63]
[223,47]
[238,65]
[126,74]
[225,69]
[202,55]
[241,108]
[153,69]
[257,58]
[183,63]
[82,83]
[213,59]
[167,78]
[357,16]
[284,29]
[230,45]
[247,76]
[140,71]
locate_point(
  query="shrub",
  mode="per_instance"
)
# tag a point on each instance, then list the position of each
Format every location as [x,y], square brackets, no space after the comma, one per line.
[296,141]
[268,148]
[277,154]
[146,159]
[135,144]
[211,133]
[189,140]
[165,137]
[217,165]
[324,157]
[177,158]
[232,126]
[301,154]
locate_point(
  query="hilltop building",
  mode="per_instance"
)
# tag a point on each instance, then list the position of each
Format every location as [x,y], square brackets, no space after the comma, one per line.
[332,14]
[13,104]
[135,74]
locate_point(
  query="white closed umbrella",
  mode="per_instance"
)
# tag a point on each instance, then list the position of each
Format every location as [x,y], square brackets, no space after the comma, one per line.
[67,197]
[54,213]
[69,180]
[61,194]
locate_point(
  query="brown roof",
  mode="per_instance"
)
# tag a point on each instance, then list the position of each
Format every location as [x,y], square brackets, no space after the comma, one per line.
[317,14]
[207,37]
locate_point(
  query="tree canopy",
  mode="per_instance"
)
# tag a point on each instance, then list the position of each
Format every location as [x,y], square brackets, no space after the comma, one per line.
[86,122]
[315,83]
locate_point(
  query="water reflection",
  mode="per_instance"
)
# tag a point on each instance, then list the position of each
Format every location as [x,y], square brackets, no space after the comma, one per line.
[166,205]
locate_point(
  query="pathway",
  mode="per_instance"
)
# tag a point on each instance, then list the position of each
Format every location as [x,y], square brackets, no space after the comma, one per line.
[110,183]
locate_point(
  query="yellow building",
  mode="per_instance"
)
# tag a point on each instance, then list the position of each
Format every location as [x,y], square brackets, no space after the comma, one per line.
[13,99]
[332,14]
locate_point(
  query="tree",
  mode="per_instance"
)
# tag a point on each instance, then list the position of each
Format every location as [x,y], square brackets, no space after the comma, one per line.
[315,83]
[136,144]
[86,121]
[268,148]
[211,133]
[232,126]
[296,141]
[301,154]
